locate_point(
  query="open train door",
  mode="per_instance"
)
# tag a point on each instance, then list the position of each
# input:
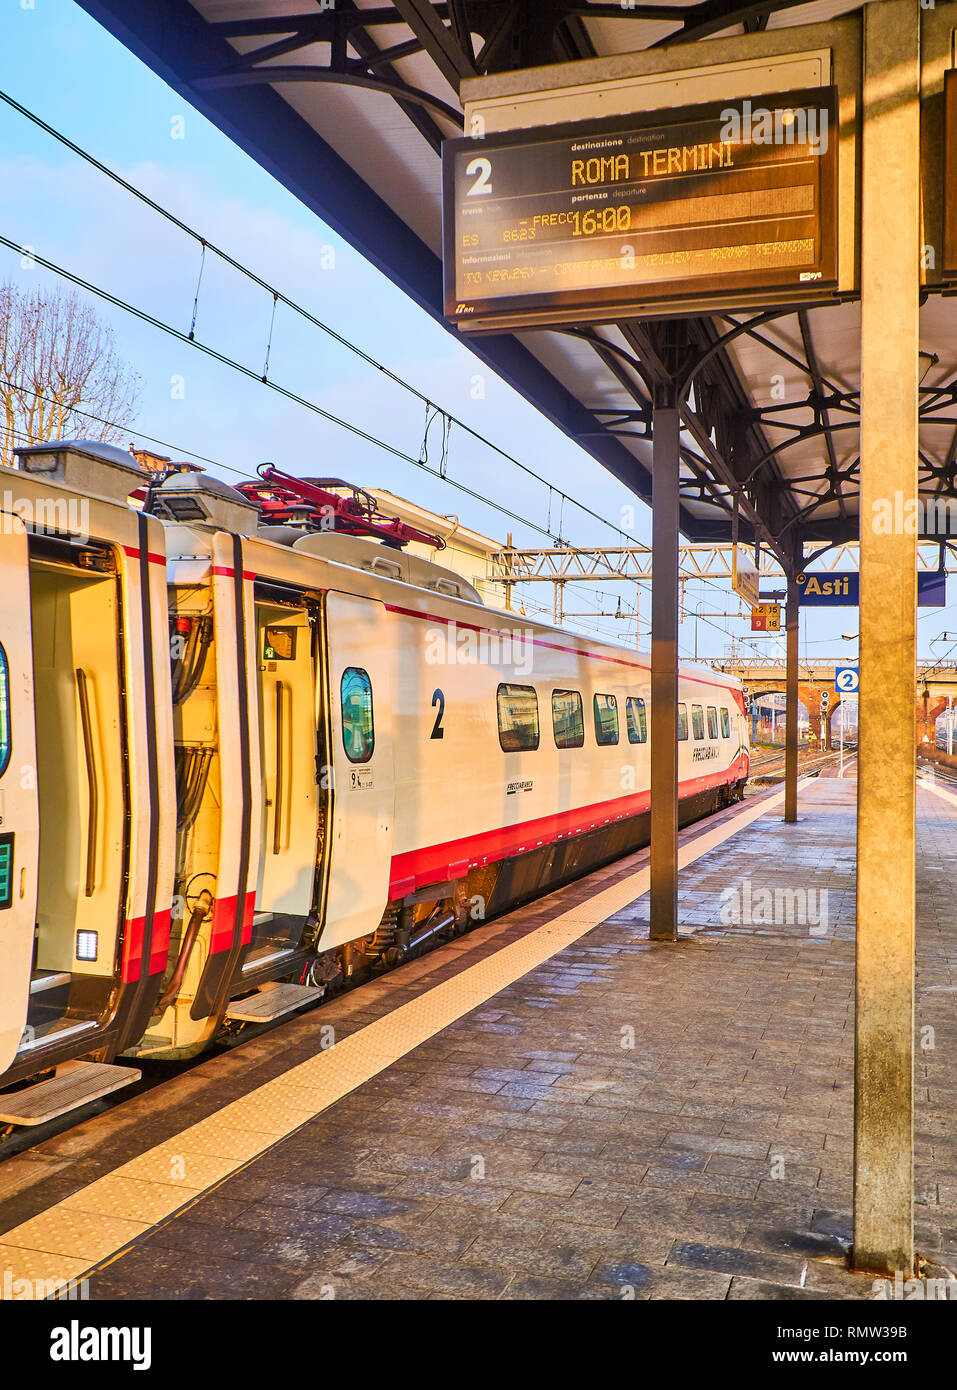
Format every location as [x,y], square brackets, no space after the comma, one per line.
[360,714]
[97,773]
[19,820]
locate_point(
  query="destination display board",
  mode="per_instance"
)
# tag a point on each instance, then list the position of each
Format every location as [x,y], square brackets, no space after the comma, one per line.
[636,214]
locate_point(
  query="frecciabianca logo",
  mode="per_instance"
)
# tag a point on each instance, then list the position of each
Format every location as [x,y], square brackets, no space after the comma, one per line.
[76,1343]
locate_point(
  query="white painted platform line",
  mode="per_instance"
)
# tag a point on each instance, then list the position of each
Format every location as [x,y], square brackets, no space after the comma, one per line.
[101,1219]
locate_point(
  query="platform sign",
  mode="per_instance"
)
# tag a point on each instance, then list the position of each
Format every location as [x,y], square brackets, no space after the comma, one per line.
[766,617]
[745,579]
[847,680]
[726,202]
[842,589]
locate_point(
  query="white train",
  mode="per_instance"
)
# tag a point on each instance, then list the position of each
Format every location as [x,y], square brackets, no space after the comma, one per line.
[239,764]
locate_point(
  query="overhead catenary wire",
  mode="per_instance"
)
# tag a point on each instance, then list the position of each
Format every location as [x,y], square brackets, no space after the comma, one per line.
[176,449]
[249,477]
[280,298]
[271,385]
[448,419]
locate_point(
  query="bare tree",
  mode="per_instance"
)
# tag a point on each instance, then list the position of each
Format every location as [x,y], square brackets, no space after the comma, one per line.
[58,359]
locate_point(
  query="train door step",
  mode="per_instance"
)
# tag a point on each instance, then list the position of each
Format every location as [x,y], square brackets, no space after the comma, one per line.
[49,979]
[266,954]
[75,1084]
[271,1001]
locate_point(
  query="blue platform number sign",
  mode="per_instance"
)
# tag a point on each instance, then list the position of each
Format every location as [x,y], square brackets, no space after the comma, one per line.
[847,680]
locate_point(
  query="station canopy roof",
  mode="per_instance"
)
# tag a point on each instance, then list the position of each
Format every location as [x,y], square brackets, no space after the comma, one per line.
[348,105]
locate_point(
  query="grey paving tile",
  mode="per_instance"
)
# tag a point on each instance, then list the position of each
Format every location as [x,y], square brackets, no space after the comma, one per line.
[647,1173]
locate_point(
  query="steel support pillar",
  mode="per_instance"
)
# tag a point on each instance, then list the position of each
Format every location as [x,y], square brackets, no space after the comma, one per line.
[664,667]
[886,831]
[791,704]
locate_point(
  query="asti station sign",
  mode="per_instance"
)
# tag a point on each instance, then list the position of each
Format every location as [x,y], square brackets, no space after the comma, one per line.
[602,218]
[842,589]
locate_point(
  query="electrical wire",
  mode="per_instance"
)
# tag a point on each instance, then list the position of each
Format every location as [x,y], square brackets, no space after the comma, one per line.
[293,396]
[279,298]
[26,439]
[283,391]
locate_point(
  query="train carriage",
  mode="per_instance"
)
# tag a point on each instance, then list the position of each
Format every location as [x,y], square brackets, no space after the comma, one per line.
[305,755]
[88,804]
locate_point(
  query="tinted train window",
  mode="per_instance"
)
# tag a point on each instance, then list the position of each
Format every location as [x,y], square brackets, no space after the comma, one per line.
[358,729]
[5,737]
[568,719]
[606,719]
[636,719]
[697,721]
[712,722]
[725,723]
[682,721]
[517,718]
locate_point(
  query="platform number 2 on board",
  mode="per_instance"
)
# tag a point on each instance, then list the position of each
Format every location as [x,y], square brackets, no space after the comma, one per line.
[847,680]
[438,699]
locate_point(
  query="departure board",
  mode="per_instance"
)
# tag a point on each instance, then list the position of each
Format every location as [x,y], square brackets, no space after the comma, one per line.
[642,213]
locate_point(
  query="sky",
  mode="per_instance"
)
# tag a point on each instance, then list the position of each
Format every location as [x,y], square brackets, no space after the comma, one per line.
[76,217]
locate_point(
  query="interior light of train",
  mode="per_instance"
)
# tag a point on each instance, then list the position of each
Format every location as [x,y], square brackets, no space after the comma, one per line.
[86,945]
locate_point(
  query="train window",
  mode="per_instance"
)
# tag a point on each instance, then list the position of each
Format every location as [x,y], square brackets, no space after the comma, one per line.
[682,722]
[636,719]
[697,722]
[725,723]
[568,719]
[606,719]
[712,722]
[358,728]
[517,718]
[5,739]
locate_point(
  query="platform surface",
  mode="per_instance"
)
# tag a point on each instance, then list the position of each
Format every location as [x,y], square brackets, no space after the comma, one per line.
[619,1119]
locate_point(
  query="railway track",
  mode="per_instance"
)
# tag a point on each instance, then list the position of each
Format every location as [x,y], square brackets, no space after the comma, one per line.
[945,776]
[769,767]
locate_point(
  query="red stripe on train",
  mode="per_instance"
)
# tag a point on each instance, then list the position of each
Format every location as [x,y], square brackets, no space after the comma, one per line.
[221,936]
[228,572]
[132,965]
[159,946]
[454,858]
[133,552]
[131,968]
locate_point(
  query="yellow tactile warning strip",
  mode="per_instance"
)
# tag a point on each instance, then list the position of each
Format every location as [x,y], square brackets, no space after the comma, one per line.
[69,1238]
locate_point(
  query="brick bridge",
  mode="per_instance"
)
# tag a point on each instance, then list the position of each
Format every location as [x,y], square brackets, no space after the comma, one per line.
[935,682]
